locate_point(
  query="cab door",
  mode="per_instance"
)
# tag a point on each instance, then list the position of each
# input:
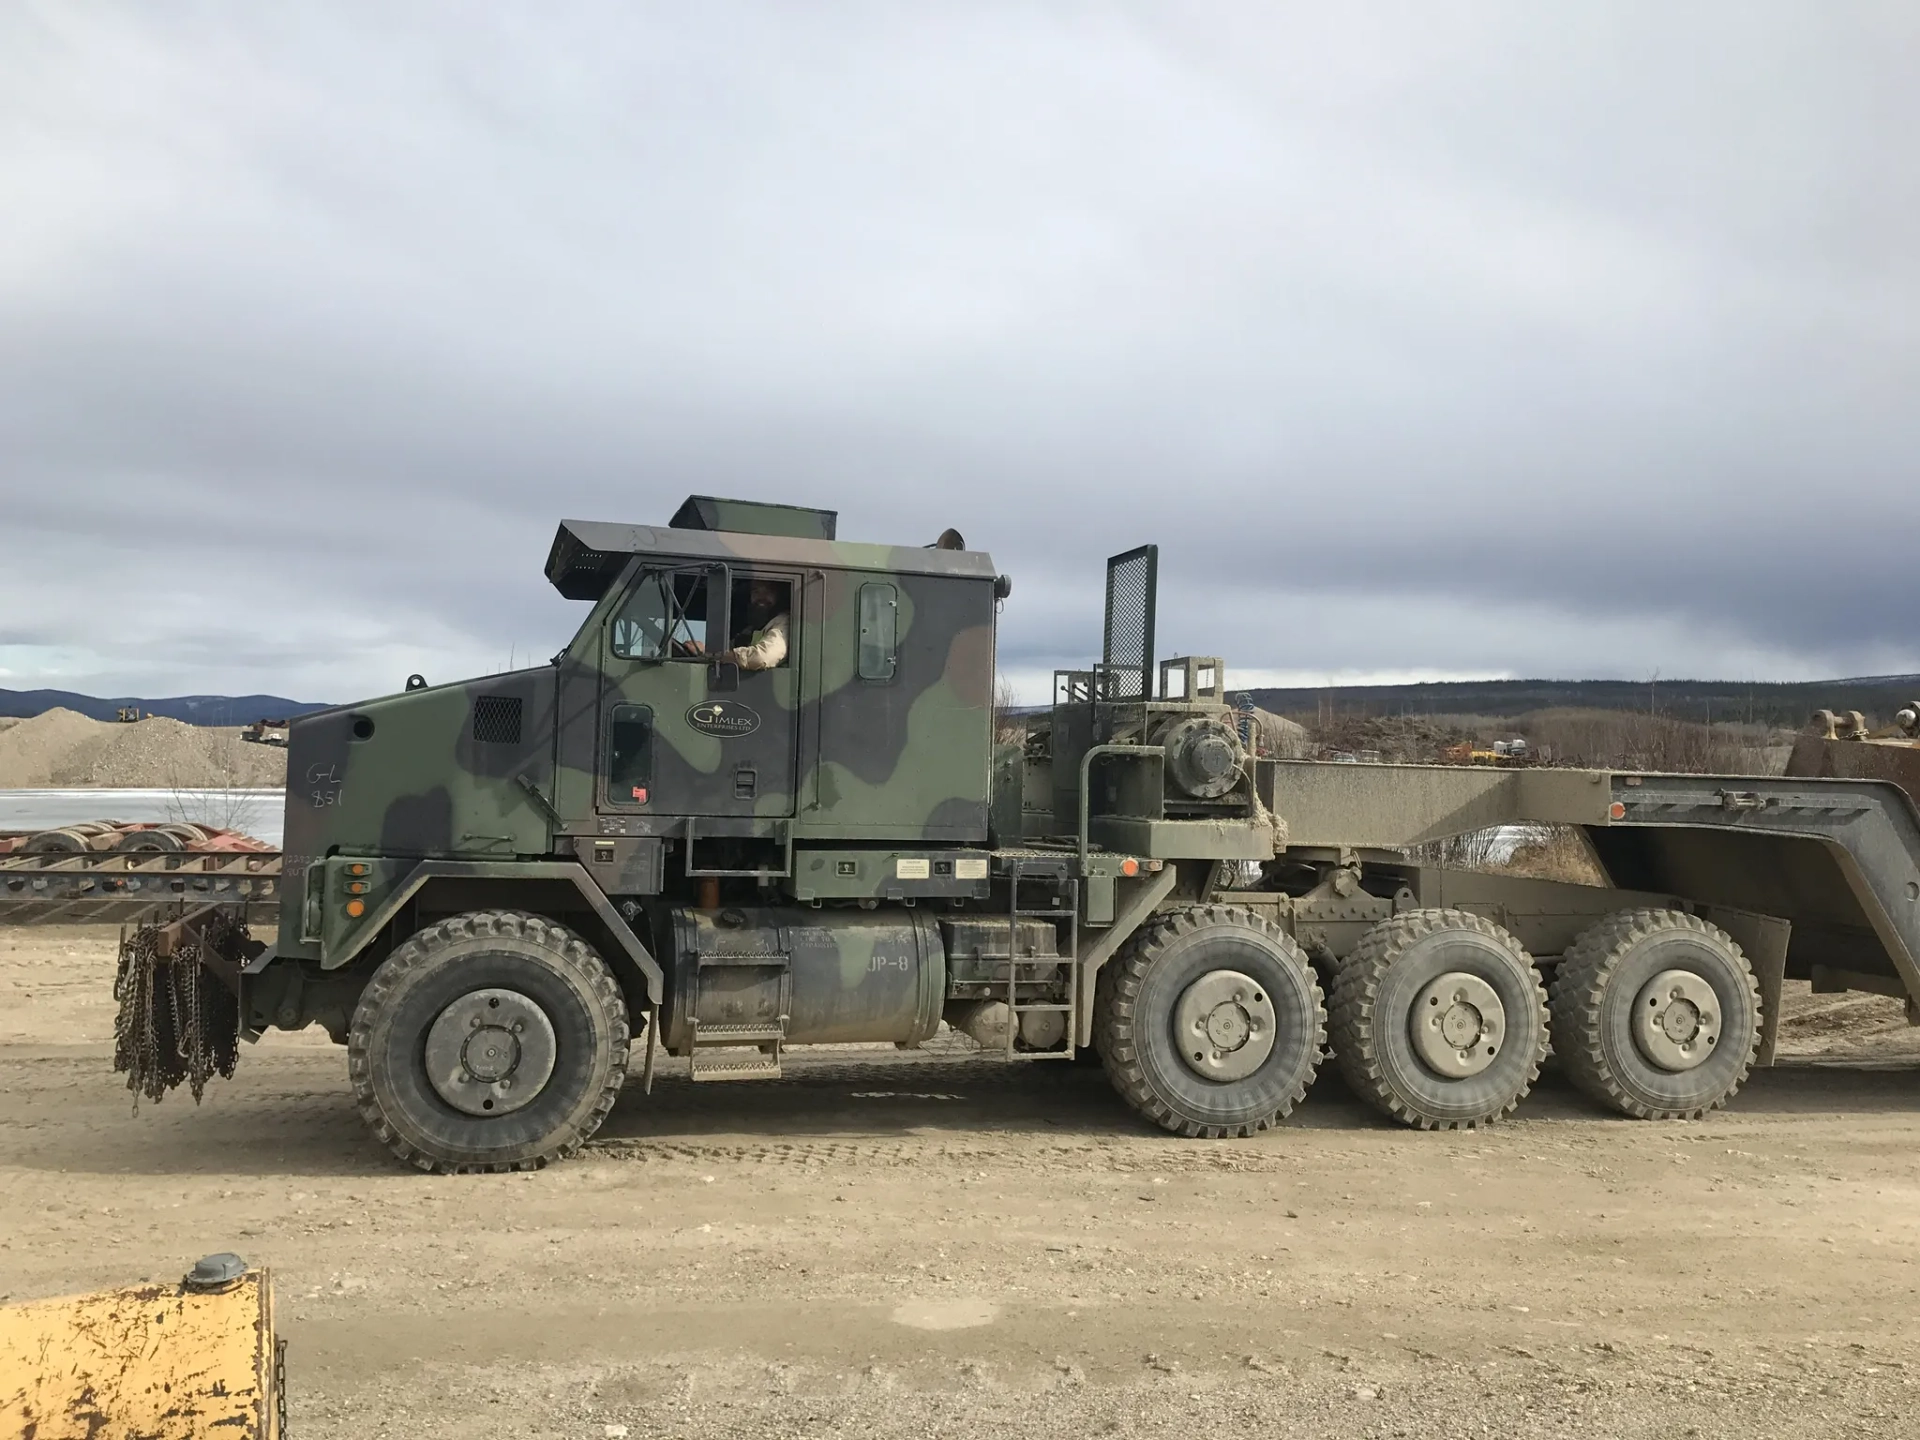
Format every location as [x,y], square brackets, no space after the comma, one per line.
[684,731]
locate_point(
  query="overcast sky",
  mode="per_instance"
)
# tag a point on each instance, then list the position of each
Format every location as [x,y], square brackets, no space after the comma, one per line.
[1426,340]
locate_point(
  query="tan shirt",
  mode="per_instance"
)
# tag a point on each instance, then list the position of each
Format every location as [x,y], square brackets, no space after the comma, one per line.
[768,648]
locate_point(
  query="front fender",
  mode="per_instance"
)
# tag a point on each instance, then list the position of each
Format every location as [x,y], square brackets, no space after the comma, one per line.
[387,885]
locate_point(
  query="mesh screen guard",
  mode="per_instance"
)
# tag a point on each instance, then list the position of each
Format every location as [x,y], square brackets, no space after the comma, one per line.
[1127,651]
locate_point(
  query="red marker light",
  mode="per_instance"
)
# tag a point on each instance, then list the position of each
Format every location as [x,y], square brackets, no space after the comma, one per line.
[640,794]
[1617,811]
[1129,866]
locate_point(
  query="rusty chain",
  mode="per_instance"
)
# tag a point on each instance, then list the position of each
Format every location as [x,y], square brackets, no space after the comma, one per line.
[176,1021]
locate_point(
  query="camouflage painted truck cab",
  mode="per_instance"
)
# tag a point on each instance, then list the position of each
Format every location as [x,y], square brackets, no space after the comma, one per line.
[757,802]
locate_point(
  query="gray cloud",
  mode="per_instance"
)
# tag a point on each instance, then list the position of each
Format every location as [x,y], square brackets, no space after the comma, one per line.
[1564,340]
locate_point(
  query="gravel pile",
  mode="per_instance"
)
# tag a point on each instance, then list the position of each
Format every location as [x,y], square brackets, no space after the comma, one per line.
[61,749]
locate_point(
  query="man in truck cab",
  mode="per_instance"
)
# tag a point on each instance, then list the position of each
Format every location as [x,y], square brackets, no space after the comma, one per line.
[760,639]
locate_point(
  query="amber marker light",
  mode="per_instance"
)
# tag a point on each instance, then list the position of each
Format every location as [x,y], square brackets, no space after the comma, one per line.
[356,869]
[356,908]
[1129,866]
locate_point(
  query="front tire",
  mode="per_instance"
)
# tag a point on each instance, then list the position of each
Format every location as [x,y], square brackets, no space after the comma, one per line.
[1209,1022]
[494,1040]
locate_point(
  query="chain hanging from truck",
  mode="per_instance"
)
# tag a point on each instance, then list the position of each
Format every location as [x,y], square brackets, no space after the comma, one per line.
[177,1021]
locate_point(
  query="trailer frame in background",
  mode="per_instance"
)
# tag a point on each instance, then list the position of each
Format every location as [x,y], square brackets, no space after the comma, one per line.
[119,889]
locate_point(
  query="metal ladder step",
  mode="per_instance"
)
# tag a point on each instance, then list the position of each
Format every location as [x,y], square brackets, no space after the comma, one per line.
[711,1034]
[1070,912]
[715,1063]
[736,1052]
[751,1010]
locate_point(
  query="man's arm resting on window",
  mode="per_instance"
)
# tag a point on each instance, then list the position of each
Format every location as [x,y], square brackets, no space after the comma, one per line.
[769,647]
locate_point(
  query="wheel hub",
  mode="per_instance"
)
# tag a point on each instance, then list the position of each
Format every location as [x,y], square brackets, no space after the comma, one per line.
[1457,1025]
[1224,1025]
[490,1052]
[1676,1020]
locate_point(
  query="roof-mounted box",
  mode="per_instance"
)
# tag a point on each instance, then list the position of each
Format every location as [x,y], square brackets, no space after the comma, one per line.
[754,517]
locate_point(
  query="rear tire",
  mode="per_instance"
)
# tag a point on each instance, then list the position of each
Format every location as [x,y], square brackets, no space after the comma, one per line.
[494,1040]
[1209,1022]
[1691,1050]
[1440,1020]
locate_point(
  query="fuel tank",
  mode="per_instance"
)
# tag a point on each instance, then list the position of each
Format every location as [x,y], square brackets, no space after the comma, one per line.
[813,976]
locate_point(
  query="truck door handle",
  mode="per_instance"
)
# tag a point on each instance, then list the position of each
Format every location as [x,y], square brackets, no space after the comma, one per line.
[745,778]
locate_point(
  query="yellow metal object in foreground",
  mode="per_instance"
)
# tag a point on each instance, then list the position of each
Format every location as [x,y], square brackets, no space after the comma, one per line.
[157,1362]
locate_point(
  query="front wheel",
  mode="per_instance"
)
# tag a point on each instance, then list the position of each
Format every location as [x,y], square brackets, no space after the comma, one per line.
[1210,1022]
[494,1040]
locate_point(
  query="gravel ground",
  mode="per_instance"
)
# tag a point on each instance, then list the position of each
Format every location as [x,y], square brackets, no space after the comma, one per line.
[912,1246]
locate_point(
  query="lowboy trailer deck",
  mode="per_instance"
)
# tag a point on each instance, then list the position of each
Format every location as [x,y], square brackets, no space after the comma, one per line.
[757,802]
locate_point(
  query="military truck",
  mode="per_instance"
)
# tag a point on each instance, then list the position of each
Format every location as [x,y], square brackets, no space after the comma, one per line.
[757,802]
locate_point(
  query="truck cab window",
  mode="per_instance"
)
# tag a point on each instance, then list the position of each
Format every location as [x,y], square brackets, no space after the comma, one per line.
[762,622]
[665,618]
[629,754]
[879,631]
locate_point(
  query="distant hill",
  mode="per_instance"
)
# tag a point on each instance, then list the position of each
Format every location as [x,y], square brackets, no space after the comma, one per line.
[1783,704]
[193,709]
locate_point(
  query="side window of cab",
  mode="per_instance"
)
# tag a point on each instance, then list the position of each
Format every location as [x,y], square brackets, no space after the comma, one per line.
[762,623]
[665,617]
